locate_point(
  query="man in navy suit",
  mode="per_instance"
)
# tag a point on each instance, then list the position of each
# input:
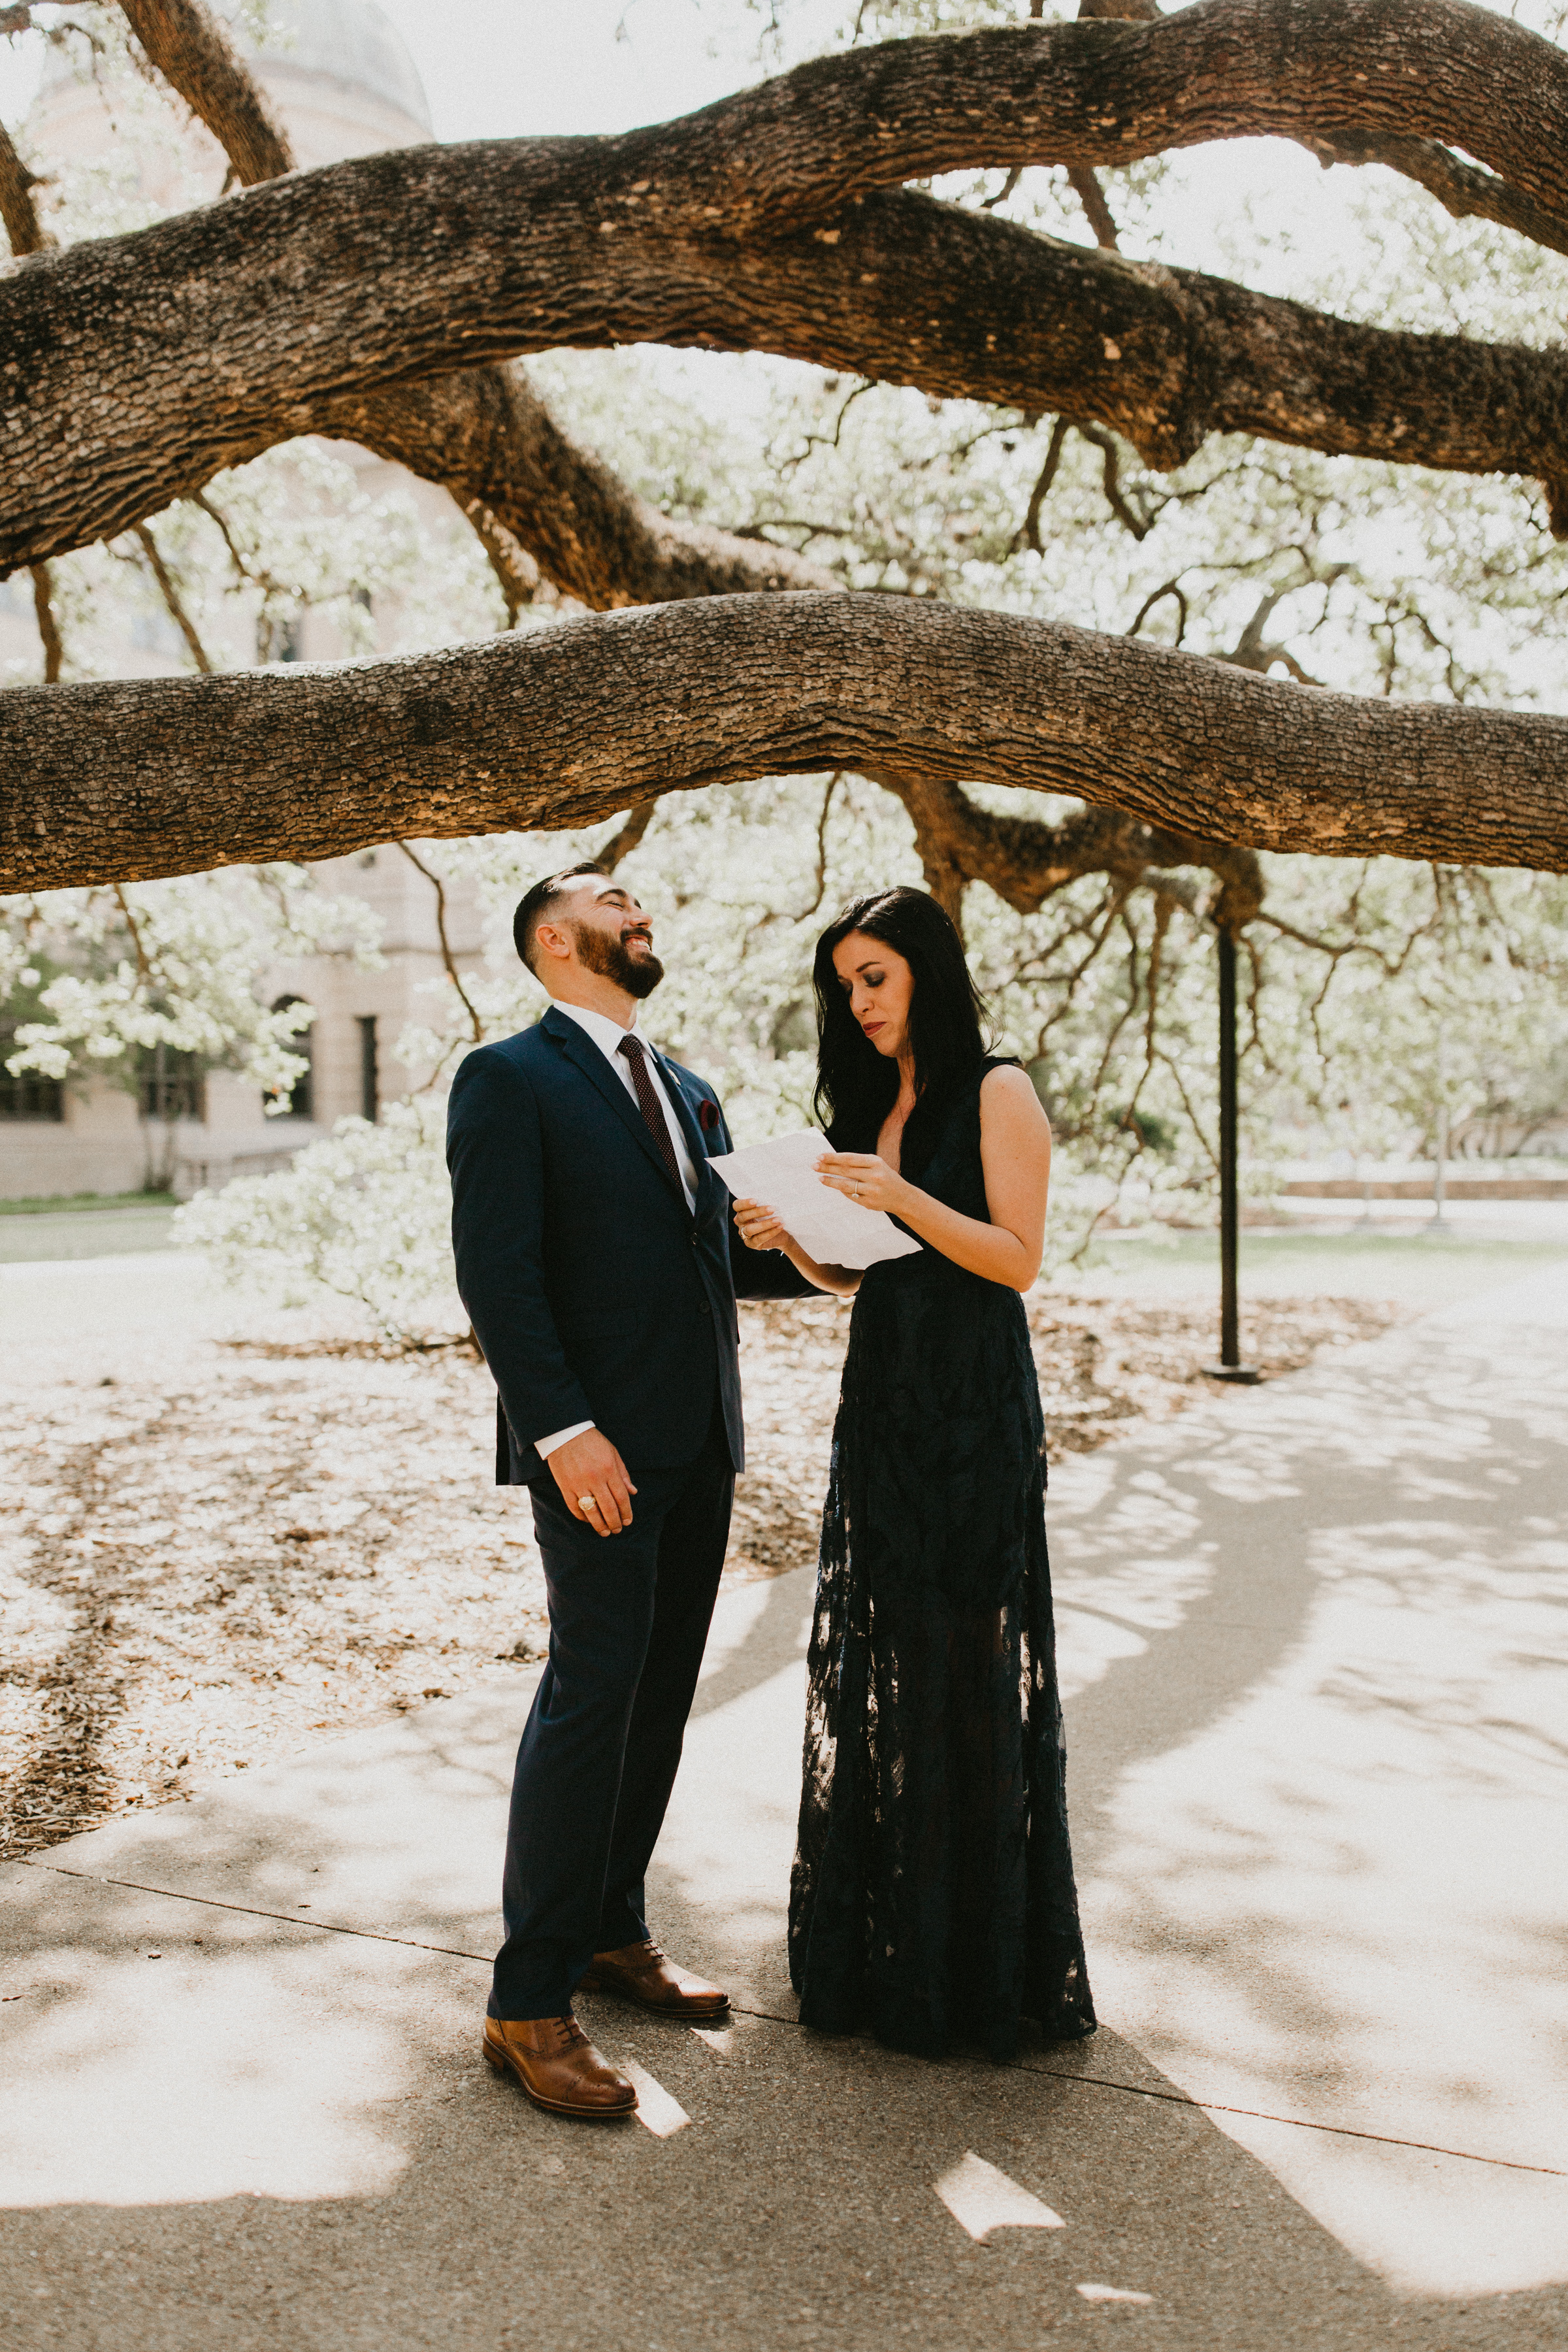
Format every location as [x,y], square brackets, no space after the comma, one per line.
[594,1255]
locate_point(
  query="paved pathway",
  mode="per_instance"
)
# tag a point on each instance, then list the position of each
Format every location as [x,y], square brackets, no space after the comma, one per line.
[62,1235]
[1313,1639]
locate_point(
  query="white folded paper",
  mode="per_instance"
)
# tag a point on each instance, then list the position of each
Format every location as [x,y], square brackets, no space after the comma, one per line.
[829,1226]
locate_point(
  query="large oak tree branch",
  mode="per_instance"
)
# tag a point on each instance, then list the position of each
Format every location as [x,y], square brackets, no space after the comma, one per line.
[153,360]
[1104,91]
[150,361]
[485,435]
[1024,861]
[793,150]
[567,726]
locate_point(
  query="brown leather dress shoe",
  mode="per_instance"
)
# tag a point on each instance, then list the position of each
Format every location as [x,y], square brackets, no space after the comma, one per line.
[559,2067]
[640,1973]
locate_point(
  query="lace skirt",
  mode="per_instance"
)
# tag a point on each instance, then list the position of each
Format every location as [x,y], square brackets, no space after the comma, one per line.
[933,1899]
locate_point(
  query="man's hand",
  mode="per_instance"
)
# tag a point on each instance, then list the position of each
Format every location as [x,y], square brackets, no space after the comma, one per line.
[588,1470]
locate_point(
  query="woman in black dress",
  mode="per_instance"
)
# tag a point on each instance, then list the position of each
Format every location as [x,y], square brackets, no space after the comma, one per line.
[933,1897]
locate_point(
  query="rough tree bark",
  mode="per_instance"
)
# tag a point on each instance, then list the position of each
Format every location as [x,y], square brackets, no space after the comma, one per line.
[131,779]
[18,209]
[486,437]
[1024,861]
[150,361]
[192,49]
[537,500]
[484,434]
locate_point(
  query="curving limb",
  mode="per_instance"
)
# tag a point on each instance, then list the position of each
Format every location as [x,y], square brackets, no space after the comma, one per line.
[486,437]
[766,222]
[191,48]
[484,434]
[567,726]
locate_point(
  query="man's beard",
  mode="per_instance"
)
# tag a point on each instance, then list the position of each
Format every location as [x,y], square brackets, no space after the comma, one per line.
[612,959]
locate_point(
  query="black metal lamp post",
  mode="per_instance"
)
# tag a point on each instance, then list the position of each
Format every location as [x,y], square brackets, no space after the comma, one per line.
[1230,1366]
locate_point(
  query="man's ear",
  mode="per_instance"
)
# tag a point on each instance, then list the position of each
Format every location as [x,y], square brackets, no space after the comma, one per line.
[554,940]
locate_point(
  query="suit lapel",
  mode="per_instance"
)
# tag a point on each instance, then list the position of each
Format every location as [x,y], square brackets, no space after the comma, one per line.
[697,1149]
[581,1052]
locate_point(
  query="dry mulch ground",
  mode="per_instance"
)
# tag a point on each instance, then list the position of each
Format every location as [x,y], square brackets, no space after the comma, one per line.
[208,1566]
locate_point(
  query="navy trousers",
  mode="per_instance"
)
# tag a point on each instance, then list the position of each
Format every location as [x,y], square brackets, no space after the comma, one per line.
[628,1620]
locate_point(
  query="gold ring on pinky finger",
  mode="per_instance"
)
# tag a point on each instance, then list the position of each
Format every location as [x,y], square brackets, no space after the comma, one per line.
[587,1503]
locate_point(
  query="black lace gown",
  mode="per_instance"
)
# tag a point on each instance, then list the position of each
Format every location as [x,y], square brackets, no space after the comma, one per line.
[932,1900]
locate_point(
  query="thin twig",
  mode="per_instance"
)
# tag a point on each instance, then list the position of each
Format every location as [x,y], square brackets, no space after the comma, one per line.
[1091,196]
[1170,588]
[626,837]
[200,499]
[171,596]
[1121,506]
[477,1025]
[49,626]
[1030,534]
[143,965]
[825,440]
[834,781]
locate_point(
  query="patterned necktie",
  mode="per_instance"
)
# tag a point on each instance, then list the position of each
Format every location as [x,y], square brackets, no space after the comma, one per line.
[647,1101]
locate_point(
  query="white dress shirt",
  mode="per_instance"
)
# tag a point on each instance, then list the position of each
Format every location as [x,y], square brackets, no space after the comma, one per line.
[607,1035]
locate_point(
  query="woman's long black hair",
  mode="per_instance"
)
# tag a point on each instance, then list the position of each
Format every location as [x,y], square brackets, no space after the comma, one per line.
[855,1085]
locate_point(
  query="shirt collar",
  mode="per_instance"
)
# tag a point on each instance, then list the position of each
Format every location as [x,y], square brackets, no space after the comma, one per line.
[605,1034]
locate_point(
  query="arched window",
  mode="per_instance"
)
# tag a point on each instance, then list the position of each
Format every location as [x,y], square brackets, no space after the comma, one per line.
[301,1102]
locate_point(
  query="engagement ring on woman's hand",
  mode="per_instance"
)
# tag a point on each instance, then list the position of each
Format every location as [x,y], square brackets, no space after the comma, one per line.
[587,1503]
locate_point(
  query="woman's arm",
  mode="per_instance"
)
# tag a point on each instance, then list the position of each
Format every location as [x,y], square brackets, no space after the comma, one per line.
[761,1230]
[1016,1154]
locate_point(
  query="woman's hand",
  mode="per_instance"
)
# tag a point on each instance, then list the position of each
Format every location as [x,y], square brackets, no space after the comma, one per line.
[864,1179]
[759,1226]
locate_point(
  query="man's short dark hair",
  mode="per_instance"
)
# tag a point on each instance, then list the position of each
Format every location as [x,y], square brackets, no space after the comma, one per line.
[534,908]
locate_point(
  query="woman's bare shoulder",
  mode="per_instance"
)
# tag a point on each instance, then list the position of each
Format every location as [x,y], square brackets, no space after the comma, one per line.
[1007,1083]
[1007,1094]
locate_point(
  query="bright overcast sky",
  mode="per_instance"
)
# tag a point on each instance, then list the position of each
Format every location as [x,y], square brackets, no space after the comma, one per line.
[502,68]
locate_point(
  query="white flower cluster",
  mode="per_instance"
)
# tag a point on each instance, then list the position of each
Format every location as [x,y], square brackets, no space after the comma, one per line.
[171,963]
[365,1215]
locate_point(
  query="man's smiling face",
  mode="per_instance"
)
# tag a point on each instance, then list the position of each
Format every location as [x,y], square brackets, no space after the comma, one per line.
[609,933]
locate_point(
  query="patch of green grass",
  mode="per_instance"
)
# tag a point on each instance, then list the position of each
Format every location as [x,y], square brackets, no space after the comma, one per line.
[1265,1249]
[63,1203]
[1425,1270]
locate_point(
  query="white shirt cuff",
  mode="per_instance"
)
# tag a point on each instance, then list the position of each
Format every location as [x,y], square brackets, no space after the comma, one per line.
[545,1446]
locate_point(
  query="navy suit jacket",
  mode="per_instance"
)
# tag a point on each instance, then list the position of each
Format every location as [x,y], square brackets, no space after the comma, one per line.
[596,1294]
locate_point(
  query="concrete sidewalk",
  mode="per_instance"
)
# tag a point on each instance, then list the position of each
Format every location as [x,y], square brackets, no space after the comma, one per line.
[1312,1642]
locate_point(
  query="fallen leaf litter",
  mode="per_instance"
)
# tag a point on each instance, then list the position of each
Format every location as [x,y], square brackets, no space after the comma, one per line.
[222,1553]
